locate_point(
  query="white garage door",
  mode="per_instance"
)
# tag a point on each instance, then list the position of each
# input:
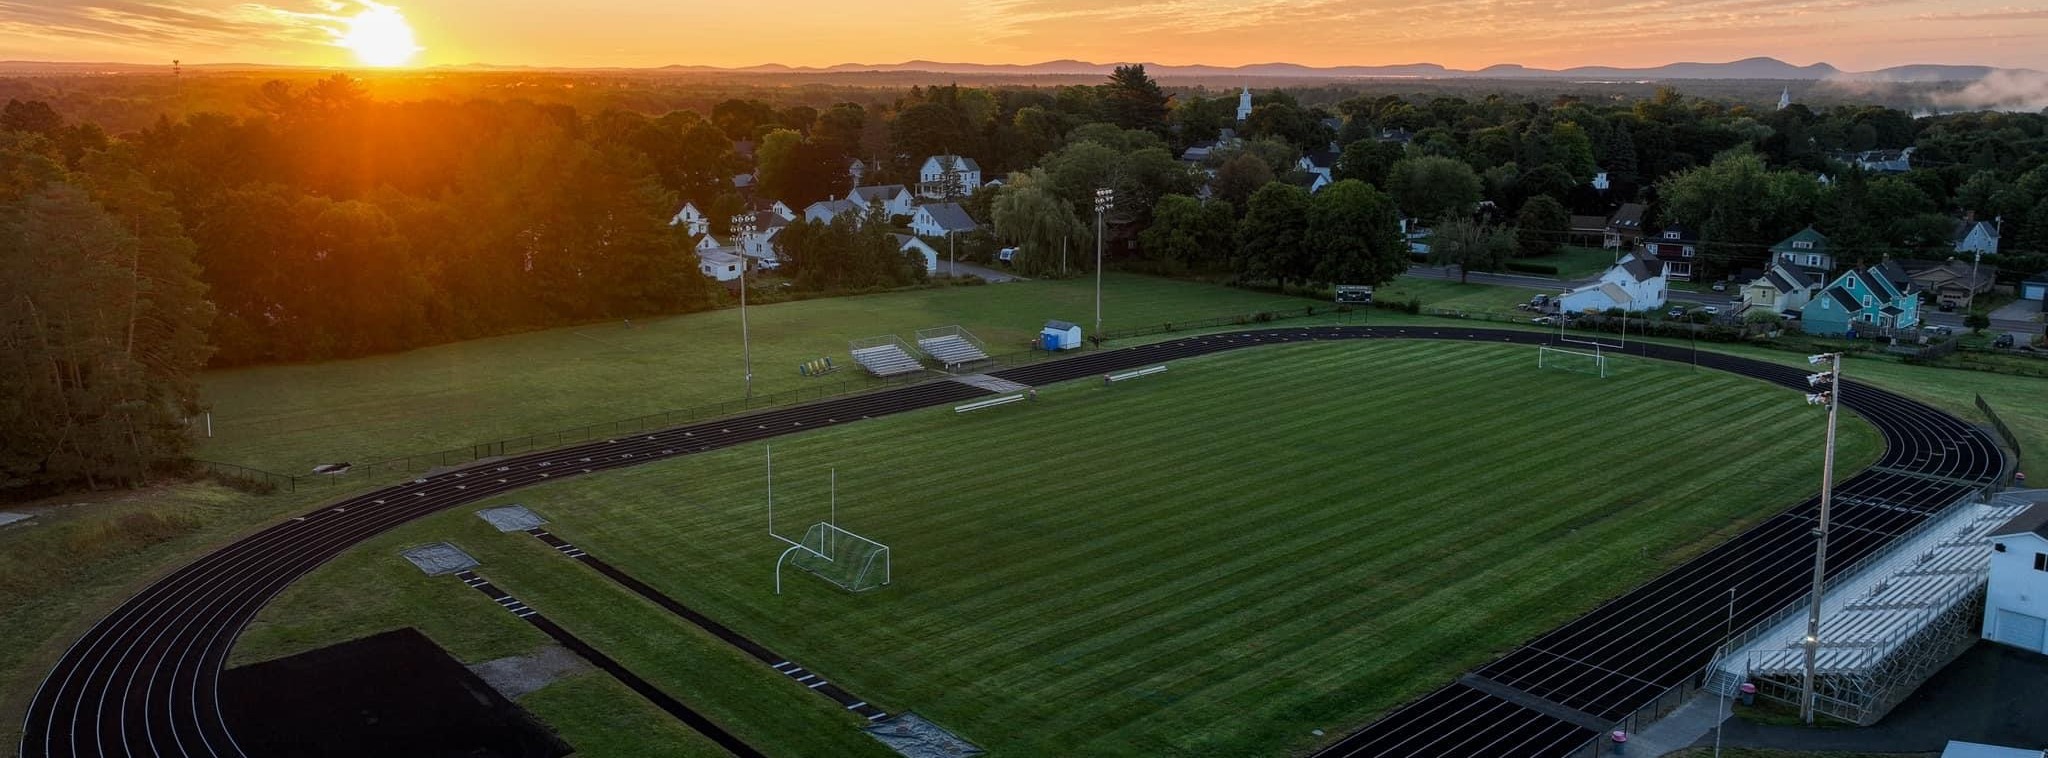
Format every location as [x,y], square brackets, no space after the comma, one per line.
[2020,630]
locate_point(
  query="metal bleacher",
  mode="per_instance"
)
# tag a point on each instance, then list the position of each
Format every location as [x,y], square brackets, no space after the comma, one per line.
[884,356]
[951,346]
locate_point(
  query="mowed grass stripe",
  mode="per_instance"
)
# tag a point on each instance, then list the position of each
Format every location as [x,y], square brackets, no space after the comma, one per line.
[1217,560]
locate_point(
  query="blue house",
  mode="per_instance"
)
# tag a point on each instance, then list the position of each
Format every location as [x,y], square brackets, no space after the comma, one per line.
[1863,300]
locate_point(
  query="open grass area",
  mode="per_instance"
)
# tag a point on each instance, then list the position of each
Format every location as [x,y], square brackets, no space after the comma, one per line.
[1215,561]
[290,418]
[1436,293]
[1575,262]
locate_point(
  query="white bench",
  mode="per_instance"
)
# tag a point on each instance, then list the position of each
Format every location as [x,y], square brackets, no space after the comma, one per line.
[989,403]
[1108,379]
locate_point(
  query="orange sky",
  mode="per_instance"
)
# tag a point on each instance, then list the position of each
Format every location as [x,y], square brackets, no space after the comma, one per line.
[1851,34]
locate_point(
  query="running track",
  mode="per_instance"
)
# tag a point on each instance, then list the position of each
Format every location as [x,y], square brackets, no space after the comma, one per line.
[144,680]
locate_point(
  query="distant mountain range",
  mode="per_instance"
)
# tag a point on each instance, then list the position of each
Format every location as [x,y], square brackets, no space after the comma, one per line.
[1748,68]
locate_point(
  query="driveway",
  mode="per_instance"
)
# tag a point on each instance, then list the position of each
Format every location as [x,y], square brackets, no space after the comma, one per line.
[993,276]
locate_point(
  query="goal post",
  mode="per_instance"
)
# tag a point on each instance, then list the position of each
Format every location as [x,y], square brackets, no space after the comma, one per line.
[1582,361]
[839,556]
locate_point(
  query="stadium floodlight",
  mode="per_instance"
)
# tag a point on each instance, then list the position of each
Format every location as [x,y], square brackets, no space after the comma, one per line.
[743,226]
[1833,399]
[1105,199]
[1814,380]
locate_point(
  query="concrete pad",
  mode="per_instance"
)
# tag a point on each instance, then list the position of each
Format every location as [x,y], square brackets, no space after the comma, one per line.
[914,737]
[9,518]
[511,518]
[439,558]
[517,675]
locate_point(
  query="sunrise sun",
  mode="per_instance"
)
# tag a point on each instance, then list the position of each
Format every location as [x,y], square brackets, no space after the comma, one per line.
[379,36]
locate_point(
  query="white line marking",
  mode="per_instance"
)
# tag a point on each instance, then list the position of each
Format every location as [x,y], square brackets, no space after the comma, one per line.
[857,705]
[819,683]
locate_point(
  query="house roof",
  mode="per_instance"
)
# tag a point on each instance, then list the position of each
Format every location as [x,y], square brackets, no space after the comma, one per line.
[949,216]
[1842,296]
[2033,520]
[1894,272]
[769,221]
[743,181]
[1060,325]
[1891,310]
[1778,281]
[717,257]
[1583,223]
[1684,234]
[832,208]
[1322,158]
[745,148]
[1809,234]
[1968,224]
[879,192]
[1628,216]
[905,241]
[1955,271]
[1641,270]
[960,162]
[1877,285]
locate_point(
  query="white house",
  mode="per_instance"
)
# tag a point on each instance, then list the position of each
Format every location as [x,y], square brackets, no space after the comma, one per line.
[777,207]
[824,211]
[2016,601]
[909,244]
[945,177]
[896,199]
[1973,236]
[719,265]
[691,219]
[1600,181]
[1637,283]
[1321,163]
[759,245]
[707,243]
[941,219]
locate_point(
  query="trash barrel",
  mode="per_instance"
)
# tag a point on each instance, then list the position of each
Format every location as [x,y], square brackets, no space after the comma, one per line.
[1620,740]
[1748,693]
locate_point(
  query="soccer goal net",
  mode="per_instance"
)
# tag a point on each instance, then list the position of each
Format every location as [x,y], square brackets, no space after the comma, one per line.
[1583,361]
[841,557]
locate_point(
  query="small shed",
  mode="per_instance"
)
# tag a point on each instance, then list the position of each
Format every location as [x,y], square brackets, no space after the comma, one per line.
[1059,335]
[2016,602]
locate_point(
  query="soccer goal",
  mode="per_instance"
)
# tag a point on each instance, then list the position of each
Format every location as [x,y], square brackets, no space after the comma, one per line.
[1582,361]
[855,563]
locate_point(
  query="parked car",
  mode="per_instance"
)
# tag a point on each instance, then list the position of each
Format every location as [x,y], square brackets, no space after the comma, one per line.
[2004,340]
[1544,320]
[1947,307]
[1711,310]
[1676,313]
[1720,286]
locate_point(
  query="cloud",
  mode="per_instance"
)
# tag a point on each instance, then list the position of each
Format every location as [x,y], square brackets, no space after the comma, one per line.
[154,24]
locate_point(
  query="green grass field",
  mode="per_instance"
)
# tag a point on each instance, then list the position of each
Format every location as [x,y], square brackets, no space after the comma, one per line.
[290,418]
[1215,561]
[1575,262]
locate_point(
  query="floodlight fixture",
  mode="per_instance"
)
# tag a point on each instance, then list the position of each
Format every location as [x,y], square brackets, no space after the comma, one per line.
[1820,359]
[1817,398]
[1814,380]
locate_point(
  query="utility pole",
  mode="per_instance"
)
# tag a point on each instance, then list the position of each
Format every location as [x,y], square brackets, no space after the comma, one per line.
[1970,301]
[743,226]
[1105,198]
[1832,398]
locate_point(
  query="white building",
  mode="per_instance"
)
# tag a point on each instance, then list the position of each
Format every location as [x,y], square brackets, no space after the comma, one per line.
[2016,601]
[1244,105]
[824,211]
[941,219]
[896,199]
[691,219]
[759,245]
[1973,236]
[1636,283]
[909,244]
[945,177]
[718,264]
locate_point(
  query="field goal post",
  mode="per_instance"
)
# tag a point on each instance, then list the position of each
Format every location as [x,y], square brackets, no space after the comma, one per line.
[1581,361]
[839,556]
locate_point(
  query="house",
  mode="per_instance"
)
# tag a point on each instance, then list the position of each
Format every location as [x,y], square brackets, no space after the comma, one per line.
[1973,236]
[776,207]
[744,149]
[1198,153]
[1783,289]
[1308,180]
[1060,335]
[1860,299]
[855,169]
[743,182]
[1637,283]
[1676,246]
[691,220]
[1884,161]
[895,199]
[1895,272]
[909,244]
[1322,162]
[1625,227]
[1807,249]
[1600,181]
[2016,598]
[719,265]
[941,219]
[824,211]
[2035,288]
[945,177]
[759,244]
[1244,105]
[1954,282]
[1588,230]
[1402,136]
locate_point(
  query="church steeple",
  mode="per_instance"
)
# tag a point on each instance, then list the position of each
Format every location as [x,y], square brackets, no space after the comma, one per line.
[1785,99]
[1244,104]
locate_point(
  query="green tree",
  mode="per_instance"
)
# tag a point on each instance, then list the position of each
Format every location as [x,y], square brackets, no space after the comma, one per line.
[779,164]
[1433,187]
[1239,177]
[1471,246]
[1187,231]
[1540,225]
[1133,101]
[1367,160]
[1740,206]
[1272,241]
[1029,213]
[1354,236]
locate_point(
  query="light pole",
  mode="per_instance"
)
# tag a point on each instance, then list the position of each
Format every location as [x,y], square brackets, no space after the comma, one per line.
[1105,198]
[951,271]
[1970,301]
[1830,396]
[743,226]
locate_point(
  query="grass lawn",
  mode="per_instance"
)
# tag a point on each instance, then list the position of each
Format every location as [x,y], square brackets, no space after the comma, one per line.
[1213,562]
[289,418]
[1574,262]
[1450,294]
